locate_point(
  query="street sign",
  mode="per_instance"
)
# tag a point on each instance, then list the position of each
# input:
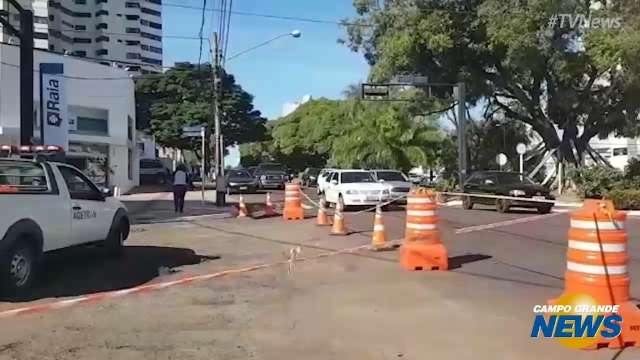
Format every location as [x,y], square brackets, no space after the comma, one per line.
[193,128]
[191,134]
[377,91]
[501,159]
[411,79]
[521,148]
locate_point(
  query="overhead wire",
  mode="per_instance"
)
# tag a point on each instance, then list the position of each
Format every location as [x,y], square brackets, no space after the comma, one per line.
[201,34]
[226,41]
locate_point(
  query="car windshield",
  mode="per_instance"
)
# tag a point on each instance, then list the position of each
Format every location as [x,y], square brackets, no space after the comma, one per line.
[357,177]
[238,173]
[272,167]
[390,176]
[513,178]
[313,172]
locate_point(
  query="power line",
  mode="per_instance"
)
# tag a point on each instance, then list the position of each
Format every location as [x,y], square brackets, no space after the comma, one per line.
[272,16]
[204,7]
[226,41]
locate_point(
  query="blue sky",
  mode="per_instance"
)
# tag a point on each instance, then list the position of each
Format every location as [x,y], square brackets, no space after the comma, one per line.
[284,70]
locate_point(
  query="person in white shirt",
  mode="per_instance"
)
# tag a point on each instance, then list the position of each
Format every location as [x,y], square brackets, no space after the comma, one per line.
[180,181]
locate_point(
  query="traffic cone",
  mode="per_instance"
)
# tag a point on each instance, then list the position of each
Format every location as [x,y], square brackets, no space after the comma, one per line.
[242,208]
[422,248]
[338,227]
[379,238]
[322,219]
[269,209]
[597,259]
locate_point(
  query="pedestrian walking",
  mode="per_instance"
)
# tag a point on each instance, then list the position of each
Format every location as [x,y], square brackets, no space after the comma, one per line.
[180,181]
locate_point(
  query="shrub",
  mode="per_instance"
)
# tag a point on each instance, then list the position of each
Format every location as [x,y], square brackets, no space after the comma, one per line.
[596,181]
[632,170]
[625,199]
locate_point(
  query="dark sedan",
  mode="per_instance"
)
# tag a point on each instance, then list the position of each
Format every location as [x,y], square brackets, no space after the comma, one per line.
[506,184]
[241,181]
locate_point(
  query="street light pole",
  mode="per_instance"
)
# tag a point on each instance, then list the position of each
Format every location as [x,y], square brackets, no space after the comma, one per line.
[215,67]
[294,34]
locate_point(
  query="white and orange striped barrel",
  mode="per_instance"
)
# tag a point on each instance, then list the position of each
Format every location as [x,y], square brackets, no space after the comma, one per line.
[597,248]
[292,197]
[422,221]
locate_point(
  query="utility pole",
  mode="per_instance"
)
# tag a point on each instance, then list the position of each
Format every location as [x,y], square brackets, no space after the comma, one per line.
[26,69]
[217,91]
[462,134]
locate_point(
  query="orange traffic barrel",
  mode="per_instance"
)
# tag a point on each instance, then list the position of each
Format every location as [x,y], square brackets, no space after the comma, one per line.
[597,263]
[422,249]
[292,202]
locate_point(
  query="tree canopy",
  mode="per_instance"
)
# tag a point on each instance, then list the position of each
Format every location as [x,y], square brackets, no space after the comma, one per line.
[183,96]
[584,82]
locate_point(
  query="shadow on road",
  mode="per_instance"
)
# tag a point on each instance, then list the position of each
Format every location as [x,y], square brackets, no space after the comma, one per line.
[152,211]
[456,262]
[83,271]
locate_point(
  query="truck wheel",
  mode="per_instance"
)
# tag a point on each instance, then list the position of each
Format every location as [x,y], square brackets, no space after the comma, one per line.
[114,244]
[18,267]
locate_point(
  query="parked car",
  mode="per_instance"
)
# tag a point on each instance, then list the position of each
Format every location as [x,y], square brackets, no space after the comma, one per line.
[399,184]
[154,171]
[53,206]
[506,184]
[355,187]
[310,176]
[323,179]
[241,181]
[271,176]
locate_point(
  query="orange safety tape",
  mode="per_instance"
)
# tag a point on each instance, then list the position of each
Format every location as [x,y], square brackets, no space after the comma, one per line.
[55,305]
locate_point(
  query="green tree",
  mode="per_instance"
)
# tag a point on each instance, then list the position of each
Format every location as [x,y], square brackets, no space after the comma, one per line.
[549,78]
[183,96]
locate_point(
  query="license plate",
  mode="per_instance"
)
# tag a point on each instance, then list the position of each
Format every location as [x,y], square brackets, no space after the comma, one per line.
[539,198]
[372,198]
[243,188]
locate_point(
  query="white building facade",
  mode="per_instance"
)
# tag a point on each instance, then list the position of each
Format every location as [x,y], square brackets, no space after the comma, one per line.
[100,110]
[127,34]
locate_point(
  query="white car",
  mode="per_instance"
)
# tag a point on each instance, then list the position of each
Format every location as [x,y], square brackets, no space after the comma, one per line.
[355,187]
[50,206]
[323,179]
[399,184]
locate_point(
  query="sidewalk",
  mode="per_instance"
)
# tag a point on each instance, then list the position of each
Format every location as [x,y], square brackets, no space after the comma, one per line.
[146,208]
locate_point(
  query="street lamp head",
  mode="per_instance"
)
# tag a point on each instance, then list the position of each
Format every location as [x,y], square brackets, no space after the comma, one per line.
[295,33]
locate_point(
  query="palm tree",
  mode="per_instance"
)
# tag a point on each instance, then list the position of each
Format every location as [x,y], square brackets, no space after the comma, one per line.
[387,136]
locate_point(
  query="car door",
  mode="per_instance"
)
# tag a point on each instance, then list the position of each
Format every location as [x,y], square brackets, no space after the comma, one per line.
[89,219]
[488,186]
[332,187]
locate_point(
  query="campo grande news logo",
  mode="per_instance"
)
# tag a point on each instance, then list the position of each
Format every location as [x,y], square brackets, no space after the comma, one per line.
[576,321]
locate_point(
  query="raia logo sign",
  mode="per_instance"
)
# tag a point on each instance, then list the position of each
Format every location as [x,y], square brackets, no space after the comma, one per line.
[53,105]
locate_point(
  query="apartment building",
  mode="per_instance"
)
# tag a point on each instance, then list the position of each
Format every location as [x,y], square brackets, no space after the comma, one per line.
[126,34]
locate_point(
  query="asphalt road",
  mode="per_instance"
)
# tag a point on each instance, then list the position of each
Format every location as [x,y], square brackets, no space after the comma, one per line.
[347,306]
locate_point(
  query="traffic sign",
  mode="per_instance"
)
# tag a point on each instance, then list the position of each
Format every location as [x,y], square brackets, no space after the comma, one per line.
[375,91]
[193,128]
[521,148]
[501,159]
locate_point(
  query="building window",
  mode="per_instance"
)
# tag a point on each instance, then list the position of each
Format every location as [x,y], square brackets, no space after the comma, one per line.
[101,1]
[101,26]
[67,24]
[52,48]
[622,151]
[39,35]
[51,18]
[101,12]
[81,2]
[132,17]
[151,61]
[133,5]
[133,42]
[133,55]
[81,41]
[130,30]
[144,47]
[159,2]
[150,11]
[102,38]
[80,53]
[91,126]
[81,27]
[39,19]
[156,50]
[155,25]
[151,36]
[102,52]
[130,164]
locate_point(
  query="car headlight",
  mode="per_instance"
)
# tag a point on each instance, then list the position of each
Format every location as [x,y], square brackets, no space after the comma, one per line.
[385,192]
[351,192]
[263,177]
[517,193]
[233,184]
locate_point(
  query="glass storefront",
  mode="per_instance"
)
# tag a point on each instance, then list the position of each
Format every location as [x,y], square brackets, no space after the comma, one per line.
[92,160]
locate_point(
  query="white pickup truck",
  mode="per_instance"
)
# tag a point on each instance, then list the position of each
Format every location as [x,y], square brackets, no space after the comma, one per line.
[47,206]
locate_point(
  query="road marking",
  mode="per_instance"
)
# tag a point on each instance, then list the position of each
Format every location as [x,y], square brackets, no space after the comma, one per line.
[502,223]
